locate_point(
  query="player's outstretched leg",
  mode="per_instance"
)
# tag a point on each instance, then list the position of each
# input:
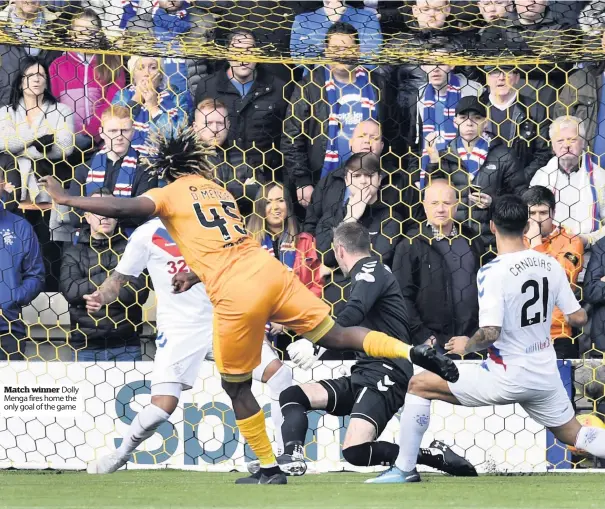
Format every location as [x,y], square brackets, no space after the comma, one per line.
[250,420]
[415,419]
[163,403]
[587,438]
[378,344]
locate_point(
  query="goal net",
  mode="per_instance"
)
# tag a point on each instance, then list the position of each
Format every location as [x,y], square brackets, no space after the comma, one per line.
[300,87]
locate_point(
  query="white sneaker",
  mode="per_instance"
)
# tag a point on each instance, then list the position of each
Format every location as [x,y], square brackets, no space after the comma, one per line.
[107,464]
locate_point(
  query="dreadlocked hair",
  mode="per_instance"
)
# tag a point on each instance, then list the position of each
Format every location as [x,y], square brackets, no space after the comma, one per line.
[178,155]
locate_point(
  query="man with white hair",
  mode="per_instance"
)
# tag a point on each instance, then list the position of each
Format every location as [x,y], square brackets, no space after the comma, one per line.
[577,182]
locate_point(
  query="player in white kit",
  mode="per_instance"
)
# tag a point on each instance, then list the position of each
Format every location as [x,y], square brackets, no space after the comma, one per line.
[184,338]
[517,293]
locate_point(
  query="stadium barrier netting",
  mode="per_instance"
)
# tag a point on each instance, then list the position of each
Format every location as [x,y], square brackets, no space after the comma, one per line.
[553,61]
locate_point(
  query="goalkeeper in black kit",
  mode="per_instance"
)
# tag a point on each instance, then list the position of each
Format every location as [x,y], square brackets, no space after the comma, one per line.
[376,388]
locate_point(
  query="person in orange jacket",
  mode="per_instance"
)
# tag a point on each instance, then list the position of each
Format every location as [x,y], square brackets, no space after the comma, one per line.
[544,236]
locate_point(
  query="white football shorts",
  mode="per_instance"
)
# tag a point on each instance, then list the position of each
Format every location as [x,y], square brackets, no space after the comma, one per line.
[180,353]
[487,383]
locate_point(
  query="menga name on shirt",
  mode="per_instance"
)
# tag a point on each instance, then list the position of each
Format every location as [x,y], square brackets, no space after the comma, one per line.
[529,262]
[206,194]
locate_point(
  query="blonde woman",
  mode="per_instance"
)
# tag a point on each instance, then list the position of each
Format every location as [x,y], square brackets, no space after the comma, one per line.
[154,106]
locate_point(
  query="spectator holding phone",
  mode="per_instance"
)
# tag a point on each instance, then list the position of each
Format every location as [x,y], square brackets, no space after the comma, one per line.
[480,168]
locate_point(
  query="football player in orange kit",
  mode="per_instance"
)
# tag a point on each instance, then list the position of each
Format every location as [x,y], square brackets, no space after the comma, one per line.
[247,286]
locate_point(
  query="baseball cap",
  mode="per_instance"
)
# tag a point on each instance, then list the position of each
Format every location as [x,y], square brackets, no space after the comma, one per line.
[468,104]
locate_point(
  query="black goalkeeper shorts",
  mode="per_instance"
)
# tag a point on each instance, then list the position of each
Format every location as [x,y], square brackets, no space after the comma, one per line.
[373,395]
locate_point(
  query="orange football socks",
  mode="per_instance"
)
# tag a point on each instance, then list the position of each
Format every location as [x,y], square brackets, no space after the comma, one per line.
[378,344]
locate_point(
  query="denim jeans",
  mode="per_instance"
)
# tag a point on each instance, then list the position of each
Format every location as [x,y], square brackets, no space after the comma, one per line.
[117,353]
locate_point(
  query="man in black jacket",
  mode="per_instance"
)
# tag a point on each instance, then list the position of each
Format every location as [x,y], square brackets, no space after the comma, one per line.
[535,27]
[256,100]
[352,195]
[478,167]
[230,162]
[376,388]
[437,271]
[113,332]
[519,123]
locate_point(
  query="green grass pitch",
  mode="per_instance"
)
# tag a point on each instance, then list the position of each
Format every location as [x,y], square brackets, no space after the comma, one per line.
[166,489]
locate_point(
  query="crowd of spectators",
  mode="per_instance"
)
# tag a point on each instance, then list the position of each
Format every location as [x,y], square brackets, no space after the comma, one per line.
[416,153]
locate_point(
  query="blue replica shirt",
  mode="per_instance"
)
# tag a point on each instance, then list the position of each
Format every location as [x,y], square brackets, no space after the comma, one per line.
[21,269]
[350,114]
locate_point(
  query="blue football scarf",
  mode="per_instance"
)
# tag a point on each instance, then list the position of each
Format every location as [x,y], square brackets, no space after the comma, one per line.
[474,160]
[98,169]
[368,105]
[429,125]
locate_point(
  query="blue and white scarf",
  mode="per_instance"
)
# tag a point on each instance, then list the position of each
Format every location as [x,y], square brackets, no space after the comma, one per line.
[448,128]
[286,256]
[599,140]
[474,160]
[98,168]
[368,104]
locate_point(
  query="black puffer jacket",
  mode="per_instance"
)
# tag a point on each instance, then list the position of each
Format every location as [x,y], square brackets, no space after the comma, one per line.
[84,268]
[426,284]
[256,119]
[500,174]
[530,139]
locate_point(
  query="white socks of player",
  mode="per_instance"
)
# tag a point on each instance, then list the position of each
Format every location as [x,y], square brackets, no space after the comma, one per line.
[414,422]
[142,427]
[591,440]
[281,380]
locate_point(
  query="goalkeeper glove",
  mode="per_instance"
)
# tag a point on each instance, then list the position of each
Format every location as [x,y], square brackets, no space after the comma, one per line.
[303,353]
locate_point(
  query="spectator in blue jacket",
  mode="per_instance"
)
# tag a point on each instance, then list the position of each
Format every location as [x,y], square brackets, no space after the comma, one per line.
[171,20]
[154,107]
[21,278]
[310,29]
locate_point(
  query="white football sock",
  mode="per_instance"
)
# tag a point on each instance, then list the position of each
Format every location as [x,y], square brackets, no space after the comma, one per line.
[142,427]
[281,380]
[591,440]
[413,424]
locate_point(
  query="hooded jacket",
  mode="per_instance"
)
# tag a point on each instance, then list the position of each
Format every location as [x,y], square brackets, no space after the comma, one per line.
[73,83]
